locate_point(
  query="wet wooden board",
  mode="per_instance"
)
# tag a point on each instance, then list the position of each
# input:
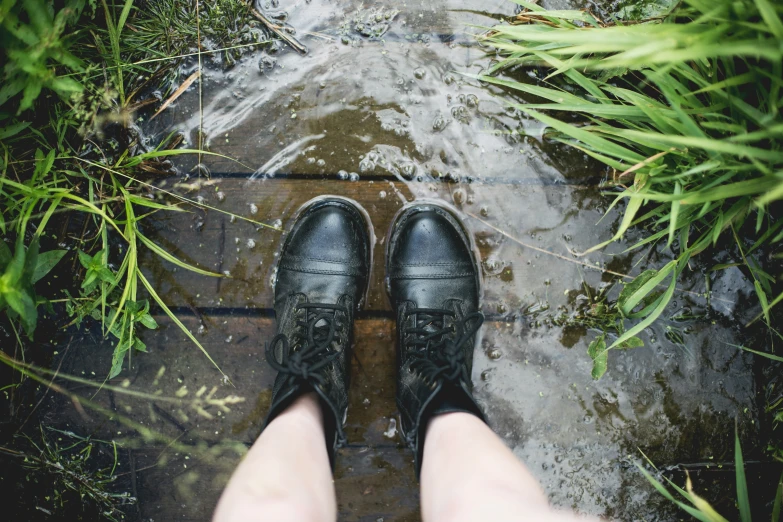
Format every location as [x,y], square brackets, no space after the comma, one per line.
[513,249]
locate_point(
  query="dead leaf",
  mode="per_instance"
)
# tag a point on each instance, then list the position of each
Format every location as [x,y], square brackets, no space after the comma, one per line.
[182,88]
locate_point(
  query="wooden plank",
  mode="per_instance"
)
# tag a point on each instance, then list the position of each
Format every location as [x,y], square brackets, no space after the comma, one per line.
[514,227]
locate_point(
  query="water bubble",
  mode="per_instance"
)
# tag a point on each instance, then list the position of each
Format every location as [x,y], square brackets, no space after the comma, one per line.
[322,85]
[251,243]
[472,101]
[448,79]
[253,209]
[346,40]
[320,163]
[419,73]
[458,196]
[485,375]
[493,266]
[277,223]
[220,196]
[409,170]
[460,113]
[353,176]
[495,354]
[440,123]
[484,211]
[311,161]
[342,174]
[382,194]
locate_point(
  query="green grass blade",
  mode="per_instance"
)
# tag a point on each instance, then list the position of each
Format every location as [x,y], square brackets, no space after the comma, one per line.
[763,354]
[650,319]
[770,16]
[171,259]
[174,318]
[743,501]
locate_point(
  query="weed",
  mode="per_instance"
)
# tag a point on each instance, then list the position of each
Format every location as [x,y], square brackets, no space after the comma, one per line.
[690,121]
[699,508]
[80,155]
[68,481]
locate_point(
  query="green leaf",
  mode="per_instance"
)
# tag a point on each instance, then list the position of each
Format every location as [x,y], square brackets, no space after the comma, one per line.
[43,164]
[12,130]
[138,345]
[743,501]
[30,262]
[763,299]
[771,17]
[118,358]
[659,305]
[5,255]
[638,289]
[31,92]
[45,263]
[631,288]
[148,321]
[22,303]
[633,342]
[778,501]
[764,354]
[85,259]
[600,356]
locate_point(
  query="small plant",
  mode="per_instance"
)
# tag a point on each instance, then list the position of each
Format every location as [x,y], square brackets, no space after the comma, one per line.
[699,508]
[78,154]
[69,483]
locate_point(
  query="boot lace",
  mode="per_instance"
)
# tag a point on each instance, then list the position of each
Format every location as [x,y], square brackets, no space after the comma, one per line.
[311,342]
[441,348]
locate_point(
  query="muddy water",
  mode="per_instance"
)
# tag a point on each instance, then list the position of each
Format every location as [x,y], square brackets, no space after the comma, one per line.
[382,109]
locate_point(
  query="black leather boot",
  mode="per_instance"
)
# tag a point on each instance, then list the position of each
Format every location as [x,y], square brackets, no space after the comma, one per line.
[433,280]
[321,280]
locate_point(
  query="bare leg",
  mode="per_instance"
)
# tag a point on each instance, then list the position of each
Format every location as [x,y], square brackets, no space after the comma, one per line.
[286,474]
[468,474]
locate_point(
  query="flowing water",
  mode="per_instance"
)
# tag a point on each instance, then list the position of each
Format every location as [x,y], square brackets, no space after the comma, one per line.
[383,109]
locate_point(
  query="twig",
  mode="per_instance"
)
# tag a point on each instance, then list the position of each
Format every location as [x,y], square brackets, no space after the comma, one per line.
[182,88]
[646,162]
[287,38]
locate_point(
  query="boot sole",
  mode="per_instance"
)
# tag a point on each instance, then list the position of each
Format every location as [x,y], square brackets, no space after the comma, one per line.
[317,201]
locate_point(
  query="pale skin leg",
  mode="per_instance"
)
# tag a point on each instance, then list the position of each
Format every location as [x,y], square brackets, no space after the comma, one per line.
[468,474]
[286,475]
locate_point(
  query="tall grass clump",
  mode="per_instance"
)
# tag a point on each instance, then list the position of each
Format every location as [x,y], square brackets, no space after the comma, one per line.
[77,81]
[686,111]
